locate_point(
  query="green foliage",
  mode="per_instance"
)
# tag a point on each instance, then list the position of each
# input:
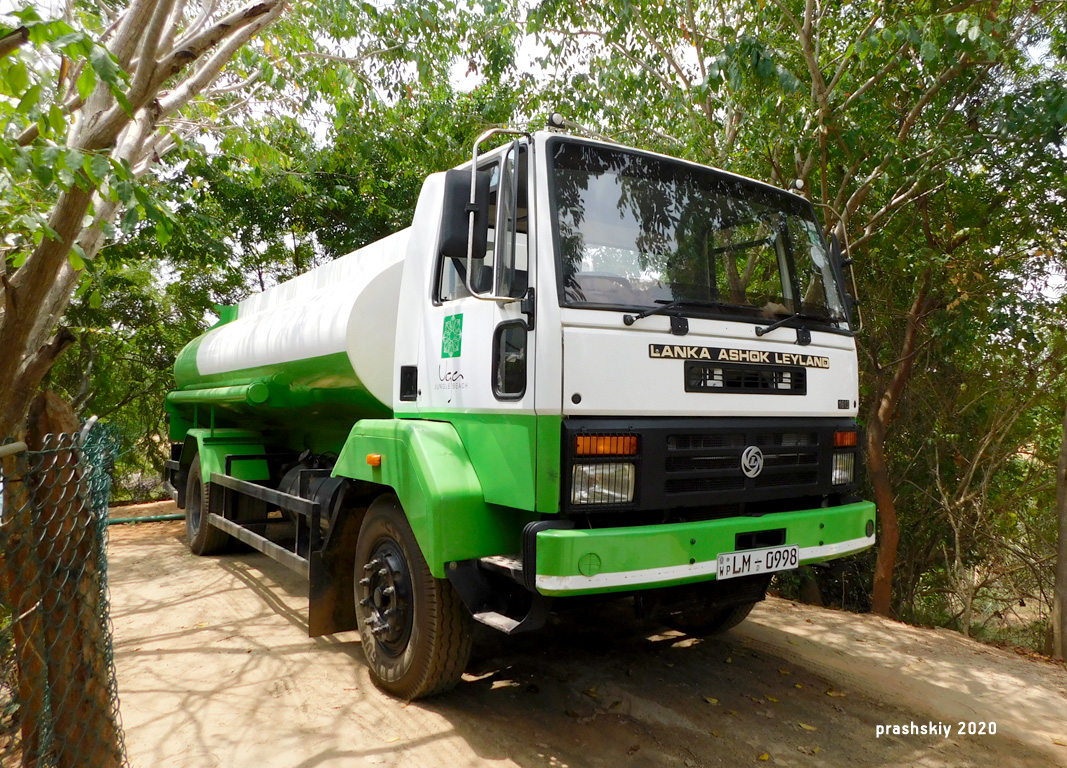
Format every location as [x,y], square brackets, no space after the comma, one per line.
[127,337]
[36,164]
[315,140]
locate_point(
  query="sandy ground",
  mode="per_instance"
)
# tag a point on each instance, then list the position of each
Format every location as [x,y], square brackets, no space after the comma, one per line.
[215,669]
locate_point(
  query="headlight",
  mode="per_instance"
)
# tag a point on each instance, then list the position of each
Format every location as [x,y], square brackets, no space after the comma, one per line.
[603,483]
[843,468]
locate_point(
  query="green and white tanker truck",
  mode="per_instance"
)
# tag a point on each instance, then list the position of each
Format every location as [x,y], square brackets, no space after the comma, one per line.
[583,370]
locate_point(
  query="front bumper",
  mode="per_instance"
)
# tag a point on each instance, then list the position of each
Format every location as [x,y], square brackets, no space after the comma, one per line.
[594,561]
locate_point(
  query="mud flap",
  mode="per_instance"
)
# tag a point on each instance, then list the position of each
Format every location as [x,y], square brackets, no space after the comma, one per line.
[331,601]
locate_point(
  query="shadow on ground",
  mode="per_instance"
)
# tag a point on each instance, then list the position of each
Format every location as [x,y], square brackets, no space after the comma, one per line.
[215,668]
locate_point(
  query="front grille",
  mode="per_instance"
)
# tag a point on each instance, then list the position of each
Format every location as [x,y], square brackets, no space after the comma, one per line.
[789,459]
[791,478]
[688,442]
[704,484]
[788,439]
[712,463]
[691,463]
[735,378]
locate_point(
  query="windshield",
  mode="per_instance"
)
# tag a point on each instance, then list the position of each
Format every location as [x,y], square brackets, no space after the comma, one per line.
[639,231]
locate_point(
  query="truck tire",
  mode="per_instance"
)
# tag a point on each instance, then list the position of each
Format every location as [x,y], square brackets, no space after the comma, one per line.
[415,630]
[203,539]
[713,622]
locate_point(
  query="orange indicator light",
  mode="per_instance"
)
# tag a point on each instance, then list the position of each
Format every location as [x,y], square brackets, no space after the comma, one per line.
[605,445]
[374,459]
[845,439]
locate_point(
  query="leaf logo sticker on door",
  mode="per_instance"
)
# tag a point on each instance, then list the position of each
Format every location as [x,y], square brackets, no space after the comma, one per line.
[452,336]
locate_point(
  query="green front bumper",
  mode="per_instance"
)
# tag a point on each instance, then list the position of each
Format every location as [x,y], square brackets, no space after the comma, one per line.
[591,561]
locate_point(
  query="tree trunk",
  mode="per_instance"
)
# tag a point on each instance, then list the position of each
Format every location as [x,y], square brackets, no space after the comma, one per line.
[25,297]
[1059,598]
[877,430]
[888,534]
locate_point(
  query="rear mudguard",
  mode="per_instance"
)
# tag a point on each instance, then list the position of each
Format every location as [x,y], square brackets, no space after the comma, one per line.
[214,445]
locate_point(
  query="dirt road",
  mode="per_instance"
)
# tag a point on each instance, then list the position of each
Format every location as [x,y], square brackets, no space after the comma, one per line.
[216,669]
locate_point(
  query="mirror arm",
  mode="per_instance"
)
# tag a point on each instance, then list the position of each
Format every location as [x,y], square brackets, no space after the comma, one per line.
[471,208]
[845,260]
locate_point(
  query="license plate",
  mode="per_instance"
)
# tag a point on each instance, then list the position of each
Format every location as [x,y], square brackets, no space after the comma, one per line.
[734,564]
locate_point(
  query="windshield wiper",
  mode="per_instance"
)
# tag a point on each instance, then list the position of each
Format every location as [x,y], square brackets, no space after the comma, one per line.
[803,333]
[666,306]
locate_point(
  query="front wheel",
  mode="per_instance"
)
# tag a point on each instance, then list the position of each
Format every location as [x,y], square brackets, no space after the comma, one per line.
[415,630]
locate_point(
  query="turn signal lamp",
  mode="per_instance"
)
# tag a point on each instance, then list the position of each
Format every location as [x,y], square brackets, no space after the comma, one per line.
[605,445]
[374,459]
[846,439]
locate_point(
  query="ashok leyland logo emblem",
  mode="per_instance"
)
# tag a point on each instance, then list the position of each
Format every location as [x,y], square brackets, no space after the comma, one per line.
[752,461]
[452,336]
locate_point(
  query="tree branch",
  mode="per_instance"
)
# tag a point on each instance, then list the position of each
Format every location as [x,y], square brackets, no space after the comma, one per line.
[207,8]
[913,114]
[14,40]
[843,66]
[238,86]
[106,128]
[671,62]
[177,14]
[131,26]
[353,61]
[789,15]
[146,59]
[211,68]
[874,79]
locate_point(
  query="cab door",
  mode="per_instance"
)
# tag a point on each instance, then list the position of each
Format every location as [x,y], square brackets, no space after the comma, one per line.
[477,345]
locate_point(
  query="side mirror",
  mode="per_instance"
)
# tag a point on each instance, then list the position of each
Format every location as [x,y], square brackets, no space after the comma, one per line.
[840,264]
[455,214]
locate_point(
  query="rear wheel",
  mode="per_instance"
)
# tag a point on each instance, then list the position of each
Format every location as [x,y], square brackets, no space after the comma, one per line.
[711,622]
[203,538]
[415,630]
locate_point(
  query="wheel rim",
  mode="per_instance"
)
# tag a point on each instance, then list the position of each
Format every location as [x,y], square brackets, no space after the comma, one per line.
[385,596]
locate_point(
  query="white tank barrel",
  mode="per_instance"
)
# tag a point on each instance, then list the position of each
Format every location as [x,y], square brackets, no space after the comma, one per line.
[321,342]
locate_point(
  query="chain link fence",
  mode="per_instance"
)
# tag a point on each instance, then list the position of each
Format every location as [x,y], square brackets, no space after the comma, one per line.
[58,699]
